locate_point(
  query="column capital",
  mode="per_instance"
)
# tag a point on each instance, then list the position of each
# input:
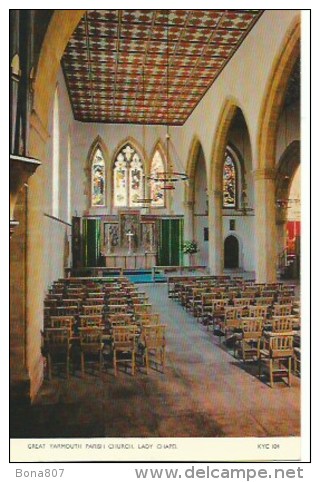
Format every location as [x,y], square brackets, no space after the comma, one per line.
[264,173]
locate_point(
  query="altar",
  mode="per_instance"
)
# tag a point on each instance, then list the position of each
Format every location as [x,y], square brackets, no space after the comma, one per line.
[130,261]
[129,241]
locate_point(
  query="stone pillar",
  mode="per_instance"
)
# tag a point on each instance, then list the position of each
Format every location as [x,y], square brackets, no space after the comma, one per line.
[188,226]
[188,221]
[265,226]
[215,233]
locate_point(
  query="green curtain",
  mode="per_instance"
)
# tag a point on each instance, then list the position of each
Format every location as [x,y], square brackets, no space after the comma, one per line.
[91,242]
[170,242]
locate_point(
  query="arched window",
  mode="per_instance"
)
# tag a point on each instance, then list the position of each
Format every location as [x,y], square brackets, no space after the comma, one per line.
[128,177]
[156,187]
[230,181]
[98,174]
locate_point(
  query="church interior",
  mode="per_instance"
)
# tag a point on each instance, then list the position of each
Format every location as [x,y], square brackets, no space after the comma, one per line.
[155,223]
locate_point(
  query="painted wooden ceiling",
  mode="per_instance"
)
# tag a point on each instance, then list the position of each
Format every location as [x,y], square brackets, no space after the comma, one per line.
[149,66]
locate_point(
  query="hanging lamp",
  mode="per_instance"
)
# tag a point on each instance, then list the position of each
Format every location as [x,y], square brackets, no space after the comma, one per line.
[168,178]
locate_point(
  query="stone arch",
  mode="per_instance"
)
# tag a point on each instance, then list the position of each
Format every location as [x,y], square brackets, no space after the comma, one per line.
[227,114]
[194,151]
[98,143]
[231,235]
[160,147]
[275,96]
[288,165]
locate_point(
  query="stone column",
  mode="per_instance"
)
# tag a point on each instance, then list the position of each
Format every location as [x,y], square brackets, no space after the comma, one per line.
[265,226]
[188,226]
[188,220]
[215,233]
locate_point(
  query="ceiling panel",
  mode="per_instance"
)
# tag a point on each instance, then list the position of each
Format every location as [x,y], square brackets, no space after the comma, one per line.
[149,66]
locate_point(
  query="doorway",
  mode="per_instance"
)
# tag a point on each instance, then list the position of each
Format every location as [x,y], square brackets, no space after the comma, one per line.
[231,252]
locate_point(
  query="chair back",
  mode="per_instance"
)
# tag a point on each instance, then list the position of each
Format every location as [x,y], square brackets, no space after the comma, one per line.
[120,319]
[252,327]
[94,301]
[67,310]
[145,308]
[61,322]
[124,337]
[281,346]
[264,301]
[90,338]
[242,301]
[282,310]
[93,309]
[57,339]
[149,319]
[258,311]
[282,324]
[154,336]
[90,320]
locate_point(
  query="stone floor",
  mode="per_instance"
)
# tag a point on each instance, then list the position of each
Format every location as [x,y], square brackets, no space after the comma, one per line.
[205,392]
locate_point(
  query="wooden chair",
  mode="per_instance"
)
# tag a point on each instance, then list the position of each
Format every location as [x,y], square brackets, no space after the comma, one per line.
[282,324]
[67,310]
[140,309]
[264,301]
[91,344]
[94,301]
[93,309]
[242,301]
[117,300]
[70,302]
[251,337]
[277,358]
[258,311]
[57,344]
[120,319]
[61,322]
[217,312]
[297,360]
[154,341]
[282,310]
[117,309]
[149,319]
[124,346]
[231,322]
[87,321]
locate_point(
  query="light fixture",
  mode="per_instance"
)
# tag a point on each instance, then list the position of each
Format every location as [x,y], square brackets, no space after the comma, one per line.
[168,178]
[144,201]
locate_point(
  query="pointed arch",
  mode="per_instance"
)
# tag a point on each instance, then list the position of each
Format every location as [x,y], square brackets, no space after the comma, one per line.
[193,156]
[275,96]
[158,163]
[97,145]
[219,145]
[128,174]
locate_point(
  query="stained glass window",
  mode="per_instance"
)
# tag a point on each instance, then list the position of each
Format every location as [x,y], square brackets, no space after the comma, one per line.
[156,191]
[128,178]
[98,172]
[229,181]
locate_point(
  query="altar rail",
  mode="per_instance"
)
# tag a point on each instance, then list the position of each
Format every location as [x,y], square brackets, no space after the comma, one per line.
[163,270]
[89,272]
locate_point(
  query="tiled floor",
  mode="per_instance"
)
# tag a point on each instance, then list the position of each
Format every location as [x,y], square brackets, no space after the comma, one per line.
[205,392]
